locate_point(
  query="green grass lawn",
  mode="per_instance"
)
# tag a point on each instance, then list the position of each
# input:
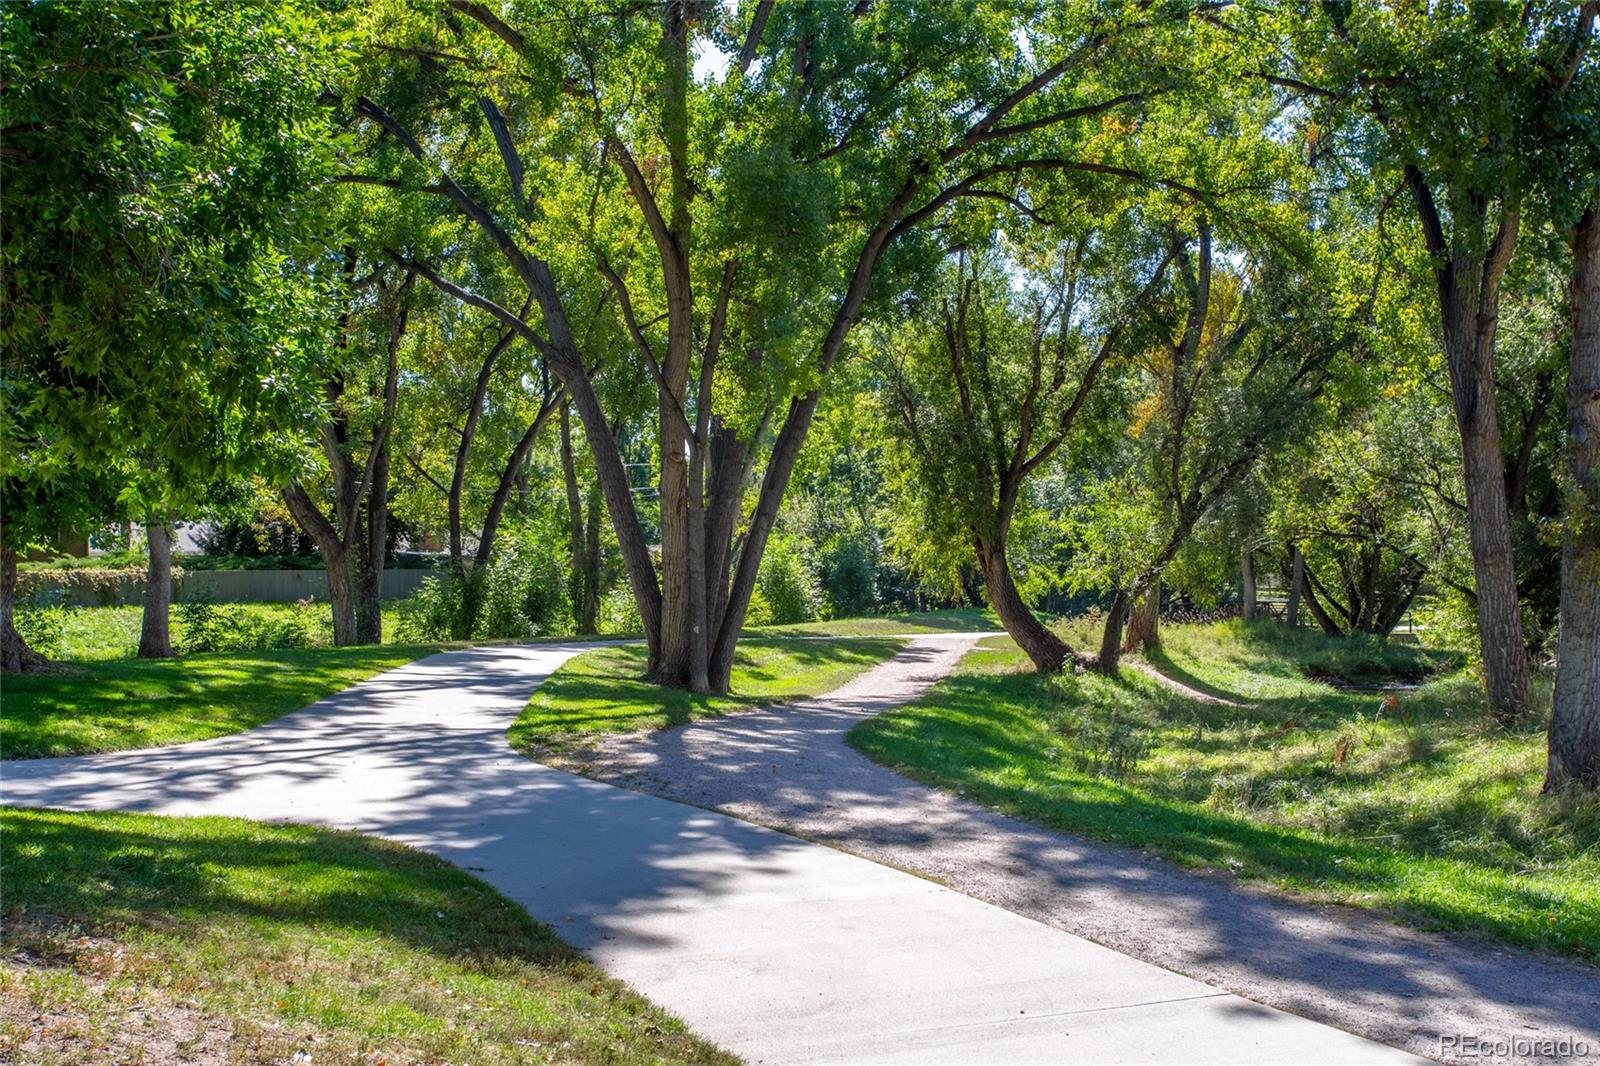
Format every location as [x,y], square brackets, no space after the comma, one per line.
[134,938]
[605,690]
[951,620]
[137,703]
[1423,807]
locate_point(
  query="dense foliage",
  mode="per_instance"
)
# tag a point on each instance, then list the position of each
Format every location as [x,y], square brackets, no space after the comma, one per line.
[678,317]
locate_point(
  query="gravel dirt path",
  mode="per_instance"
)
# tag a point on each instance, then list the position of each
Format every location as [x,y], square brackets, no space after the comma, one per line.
[788,767]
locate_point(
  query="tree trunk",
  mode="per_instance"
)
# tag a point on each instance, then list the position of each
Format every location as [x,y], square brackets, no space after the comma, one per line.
[583,536]
[335,561]
[1297,580]
[1110,658]
[1144,624]
[1247,585]
[155,631]
[369,556]
[589,608]
[1467,279]
[1575,719]
[15,655]
[1048,652]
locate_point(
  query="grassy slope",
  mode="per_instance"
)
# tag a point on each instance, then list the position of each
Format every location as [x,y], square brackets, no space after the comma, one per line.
[135,703]
[1432,812]
[604,690]
[128,935]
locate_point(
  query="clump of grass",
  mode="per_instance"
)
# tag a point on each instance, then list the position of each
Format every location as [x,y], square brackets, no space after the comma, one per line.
[1416,802]
[255,942]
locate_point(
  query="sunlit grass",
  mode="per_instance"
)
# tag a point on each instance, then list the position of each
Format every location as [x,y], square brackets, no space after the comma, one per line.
[950,620]
[135,703]
[1422,806]
[286,939]
[605,690]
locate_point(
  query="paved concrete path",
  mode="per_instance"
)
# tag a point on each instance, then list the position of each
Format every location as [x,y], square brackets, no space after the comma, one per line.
[778,949]
[788,767]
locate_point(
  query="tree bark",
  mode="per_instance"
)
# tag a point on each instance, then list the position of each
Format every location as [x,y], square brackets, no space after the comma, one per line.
[1110,658]
[1297,580]
[335,561]
[1467,280]
[1247,586]
[1574,742]
[155,629]
[1048,652]
[1144,623]
[370,552]
[16,657]
[583,539]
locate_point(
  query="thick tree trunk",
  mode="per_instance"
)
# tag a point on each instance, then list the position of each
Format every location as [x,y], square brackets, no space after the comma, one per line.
[1297,580]
[335,561]
[155,629]
[1144,623]
[1110,658]
[1575,719]
[1048,652]
[1467,279]
[1505,655]
[1247,585]
[15,655]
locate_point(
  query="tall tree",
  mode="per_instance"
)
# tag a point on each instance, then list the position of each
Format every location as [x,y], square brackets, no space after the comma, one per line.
[741,219]
[1449,99]
[157,162]
[988,393]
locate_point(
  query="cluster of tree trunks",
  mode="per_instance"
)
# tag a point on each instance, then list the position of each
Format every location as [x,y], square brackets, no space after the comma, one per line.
[354,540]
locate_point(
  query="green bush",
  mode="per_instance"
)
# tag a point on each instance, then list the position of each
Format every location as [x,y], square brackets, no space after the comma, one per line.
[204,625]
[42,621]
[521,593]
[849,578]
[619,611]
[787,585]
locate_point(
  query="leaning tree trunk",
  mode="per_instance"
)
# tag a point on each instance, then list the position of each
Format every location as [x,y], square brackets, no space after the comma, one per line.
[1110,658]
[335,561]
[1144,623]
[155,631]
[1575,718]
[15,655]
[1048,652]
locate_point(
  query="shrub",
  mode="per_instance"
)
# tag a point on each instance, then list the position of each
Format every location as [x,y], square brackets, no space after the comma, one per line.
[521,593]
[849,575]
[619,612]
[42,621]
[787,585]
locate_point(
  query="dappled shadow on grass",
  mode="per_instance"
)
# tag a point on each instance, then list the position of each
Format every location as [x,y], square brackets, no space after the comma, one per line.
[108,706]
[362,945]
[606,690]
[984,734]
[115,870]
